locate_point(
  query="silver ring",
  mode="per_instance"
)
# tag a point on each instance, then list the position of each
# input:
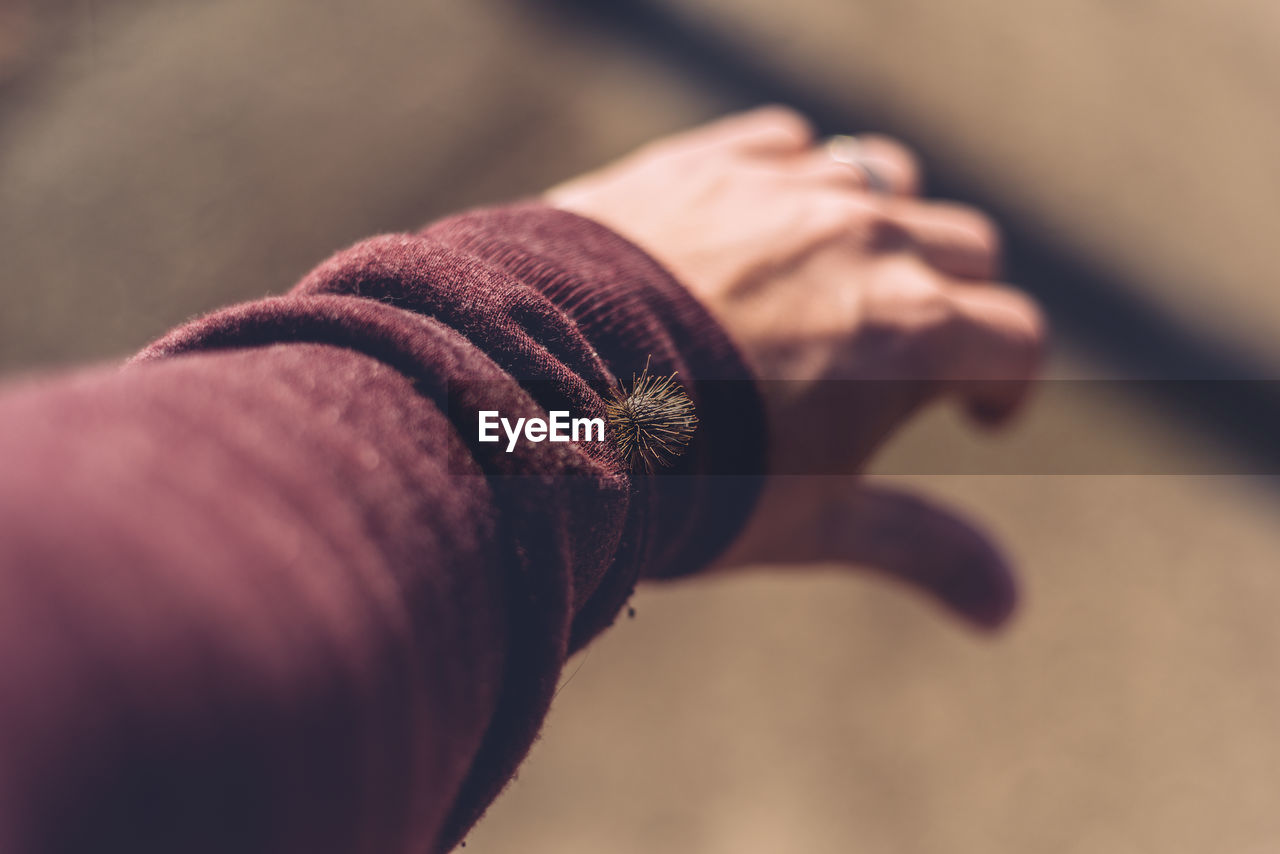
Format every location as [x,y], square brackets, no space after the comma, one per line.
[848,150]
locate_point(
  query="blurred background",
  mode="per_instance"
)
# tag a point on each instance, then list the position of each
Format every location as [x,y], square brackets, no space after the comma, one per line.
[161,159]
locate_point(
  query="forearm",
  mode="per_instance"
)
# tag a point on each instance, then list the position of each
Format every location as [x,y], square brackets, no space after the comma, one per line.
[272,595]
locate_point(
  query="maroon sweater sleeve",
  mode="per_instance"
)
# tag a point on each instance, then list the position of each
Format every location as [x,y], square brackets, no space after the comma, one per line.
[262,590]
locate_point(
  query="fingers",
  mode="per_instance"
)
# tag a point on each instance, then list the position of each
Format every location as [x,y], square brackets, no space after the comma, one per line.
[896,164]
[874,163]
[997,342]
[980,342]
[954,239]
[931,548]
[868,162]
[865,163]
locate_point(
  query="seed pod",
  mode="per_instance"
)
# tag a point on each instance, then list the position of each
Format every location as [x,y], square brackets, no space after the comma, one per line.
[652,422]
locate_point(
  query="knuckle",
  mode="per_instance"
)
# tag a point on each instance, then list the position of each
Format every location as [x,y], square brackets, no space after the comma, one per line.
[900,157]
[983,231]
[926,321]
[842,217]
[935,320]
[866,221]
[840,176]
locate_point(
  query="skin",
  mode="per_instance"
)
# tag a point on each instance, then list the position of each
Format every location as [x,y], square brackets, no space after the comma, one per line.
[819,279]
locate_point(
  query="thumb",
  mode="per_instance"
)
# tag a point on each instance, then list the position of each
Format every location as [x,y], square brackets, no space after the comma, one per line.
[913,540]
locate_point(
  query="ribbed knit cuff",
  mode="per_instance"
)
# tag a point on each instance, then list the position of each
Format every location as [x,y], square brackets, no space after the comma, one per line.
[628,310]
[632,310]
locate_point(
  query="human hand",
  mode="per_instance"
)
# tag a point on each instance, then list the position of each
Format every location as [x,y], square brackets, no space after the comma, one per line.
[822,279]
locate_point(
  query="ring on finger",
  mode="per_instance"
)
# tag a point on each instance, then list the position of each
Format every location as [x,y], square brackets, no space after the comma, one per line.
[849,151]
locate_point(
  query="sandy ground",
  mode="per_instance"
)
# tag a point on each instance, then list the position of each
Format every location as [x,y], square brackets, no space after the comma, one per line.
[157,160]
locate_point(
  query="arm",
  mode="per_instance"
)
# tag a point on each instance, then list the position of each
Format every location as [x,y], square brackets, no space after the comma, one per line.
[263,591]
[261,595]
